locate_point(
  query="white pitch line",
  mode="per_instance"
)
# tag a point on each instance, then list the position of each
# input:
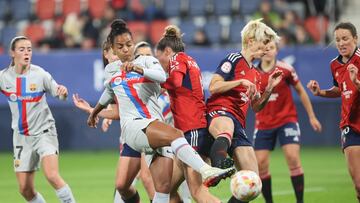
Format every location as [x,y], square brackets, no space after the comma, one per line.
[307,190]
[290,192]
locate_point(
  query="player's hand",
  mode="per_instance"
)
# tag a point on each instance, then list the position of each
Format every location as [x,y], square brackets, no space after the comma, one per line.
[81,103]
[274,78]
[314,87]
[92,121]
[106,124]
[250,88]
[353,72]
[315,124]
[128,67]
[62,92]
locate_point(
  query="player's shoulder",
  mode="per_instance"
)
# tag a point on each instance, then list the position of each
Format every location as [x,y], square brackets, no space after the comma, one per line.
[113,67]
[146,61]
[284,66]
[37,69]
[233,57]
[357,54]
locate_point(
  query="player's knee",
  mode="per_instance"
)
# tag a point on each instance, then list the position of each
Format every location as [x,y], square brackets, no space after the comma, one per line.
[53,178]
[294,162]
[176,133]
[27,192]
[146,180]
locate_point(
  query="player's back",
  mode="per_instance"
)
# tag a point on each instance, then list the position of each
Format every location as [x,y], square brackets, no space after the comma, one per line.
[187,101]
[137,96]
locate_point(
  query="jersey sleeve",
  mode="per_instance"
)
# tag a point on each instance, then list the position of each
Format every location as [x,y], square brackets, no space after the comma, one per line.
[50,84]
[293,77]
[107,96]
[178,69]
[153,70]
[226,67]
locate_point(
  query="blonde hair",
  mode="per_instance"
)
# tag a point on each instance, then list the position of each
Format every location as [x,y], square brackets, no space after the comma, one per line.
[259,31]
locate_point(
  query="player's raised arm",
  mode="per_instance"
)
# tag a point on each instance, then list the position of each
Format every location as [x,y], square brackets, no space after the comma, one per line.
[354,75]
[258,102]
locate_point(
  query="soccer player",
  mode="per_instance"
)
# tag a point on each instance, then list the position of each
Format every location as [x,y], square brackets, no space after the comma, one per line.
[278,119]
[135,83]
[346,77]
[35,137]
[233,87]
[187,104]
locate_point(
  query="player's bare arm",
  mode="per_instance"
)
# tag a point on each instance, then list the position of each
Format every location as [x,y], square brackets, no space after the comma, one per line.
[258,102]
[112,113]
[304,98]
[314,87]
[219,85]
[92,117]
[354,75]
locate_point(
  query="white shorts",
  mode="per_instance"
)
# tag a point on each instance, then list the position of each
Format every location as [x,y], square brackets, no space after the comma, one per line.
[29,150]
[133,134]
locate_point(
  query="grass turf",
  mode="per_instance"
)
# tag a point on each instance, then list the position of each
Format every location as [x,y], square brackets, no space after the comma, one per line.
[91,177]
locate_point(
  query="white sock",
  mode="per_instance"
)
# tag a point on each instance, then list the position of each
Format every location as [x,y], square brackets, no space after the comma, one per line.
[38,199]
[117,198]
[184,192]
[187,154]
[65,195]
[161,198]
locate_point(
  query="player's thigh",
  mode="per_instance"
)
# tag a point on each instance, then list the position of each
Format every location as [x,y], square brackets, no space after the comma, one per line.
[221,124]
[292,155]
[352,154]
[127,169]
[245,158]
[25,157]
[145,174]
[161,170]
[161,134]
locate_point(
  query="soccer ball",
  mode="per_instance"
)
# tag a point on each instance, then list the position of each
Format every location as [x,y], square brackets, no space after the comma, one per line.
[245,185]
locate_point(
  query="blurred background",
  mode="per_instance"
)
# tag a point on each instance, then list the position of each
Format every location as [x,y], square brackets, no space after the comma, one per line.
[67,37]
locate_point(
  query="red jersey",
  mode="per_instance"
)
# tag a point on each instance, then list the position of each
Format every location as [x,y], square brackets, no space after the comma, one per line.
[187,102]
[280,108]
[234,101]
[350,95]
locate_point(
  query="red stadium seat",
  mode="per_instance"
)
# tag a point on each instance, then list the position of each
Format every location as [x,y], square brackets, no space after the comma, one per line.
[316,27]
[118,4]
[35,32]
[45,9]
[97,8]
[157,30]
[70,6]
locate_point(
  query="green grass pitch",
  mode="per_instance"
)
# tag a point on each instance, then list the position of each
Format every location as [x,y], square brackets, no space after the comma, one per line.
[91,177]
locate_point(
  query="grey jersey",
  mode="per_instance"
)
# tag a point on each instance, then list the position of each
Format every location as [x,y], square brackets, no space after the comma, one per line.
[137,95]
[26,97]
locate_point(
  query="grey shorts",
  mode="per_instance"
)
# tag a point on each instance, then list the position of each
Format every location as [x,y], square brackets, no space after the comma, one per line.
[29,150]
[132,132]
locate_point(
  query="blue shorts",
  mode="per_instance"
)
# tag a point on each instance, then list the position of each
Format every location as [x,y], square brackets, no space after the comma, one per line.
[288,133]
[200,140]
[349,137]
[239,137]
[126,150]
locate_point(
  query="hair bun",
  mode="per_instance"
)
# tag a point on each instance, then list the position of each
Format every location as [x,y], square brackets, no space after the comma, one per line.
[172,31]
[118,24]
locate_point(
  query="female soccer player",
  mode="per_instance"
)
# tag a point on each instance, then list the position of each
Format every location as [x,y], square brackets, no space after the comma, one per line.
[187,104]
[135,83]
[35,137]
[278,119]
[346,76]
[232,88]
